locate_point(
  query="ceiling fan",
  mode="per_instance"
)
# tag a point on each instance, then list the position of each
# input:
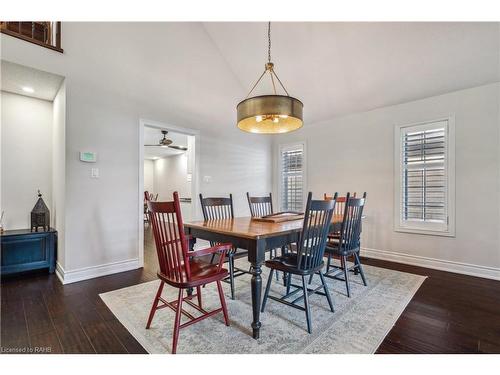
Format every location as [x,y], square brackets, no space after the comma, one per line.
[165,142]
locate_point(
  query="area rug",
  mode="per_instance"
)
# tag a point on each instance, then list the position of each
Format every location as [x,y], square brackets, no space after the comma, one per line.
[358,325]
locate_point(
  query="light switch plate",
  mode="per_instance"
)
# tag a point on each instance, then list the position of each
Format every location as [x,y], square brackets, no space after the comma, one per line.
[94,173]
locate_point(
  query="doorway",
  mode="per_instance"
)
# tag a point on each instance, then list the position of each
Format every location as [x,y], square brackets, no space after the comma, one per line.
[168,162]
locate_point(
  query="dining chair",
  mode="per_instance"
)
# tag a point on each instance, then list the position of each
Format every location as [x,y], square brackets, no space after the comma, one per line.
[181,268]
[220,209]
[339,211]
[259,207]
[340,204]
[307,260]
[348,242]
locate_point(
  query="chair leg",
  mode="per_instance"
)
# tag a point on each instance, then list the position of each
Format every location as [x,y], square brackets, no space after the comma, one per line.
[327,292]
[288,283]
[198,294]
[177,322]
[358,266]
[329,263]
[223,302]
[343,260]
[306,304]
[311,278]
[355,270]
[155,304]
[266,293]
[231,274]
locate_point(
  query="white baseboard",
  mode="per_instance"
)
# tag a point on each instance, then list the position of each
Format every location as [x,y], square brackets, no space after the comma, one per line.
[437,264]
[72,276]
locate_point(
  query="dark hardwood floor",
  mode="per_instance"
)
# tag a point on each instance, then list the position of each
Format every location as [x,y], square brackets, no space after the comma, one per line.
[450,313]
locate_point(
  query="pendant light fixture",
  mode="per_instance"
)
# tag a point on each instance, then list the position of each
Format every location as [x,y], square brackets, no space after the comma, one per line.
[270,114]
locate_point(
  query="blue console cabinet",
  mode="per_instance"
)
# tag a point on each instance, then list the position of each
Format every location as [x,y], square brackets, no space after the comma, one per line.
[23,250]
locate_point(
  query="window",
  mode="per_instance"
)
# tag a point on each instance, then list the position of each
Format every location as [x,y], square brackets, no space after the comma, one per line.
[425,178]
[292,181]
[44,33]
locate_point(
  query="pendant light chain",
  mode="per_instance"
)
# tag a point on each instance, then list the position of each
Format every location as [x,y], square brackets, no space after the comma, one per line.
[269,67]
[269,42]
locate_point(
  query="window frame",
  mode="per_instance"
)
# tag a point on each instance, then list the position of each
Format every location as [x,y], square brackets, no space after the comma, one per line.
[426,228]
[286,147]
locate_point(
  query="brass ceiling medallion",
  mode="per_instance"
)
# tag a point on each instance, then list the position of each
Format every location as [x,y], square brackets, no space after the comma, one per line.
[270,114]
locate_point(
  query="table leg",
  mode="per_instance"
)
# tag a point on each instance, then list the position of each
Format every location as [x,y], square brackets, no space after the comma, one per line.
[192,241]
[283,252]
[256,285]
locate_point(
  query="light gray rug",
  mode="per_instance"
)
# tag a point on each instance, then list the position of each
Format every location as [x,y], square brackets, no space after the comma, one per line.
[358,325]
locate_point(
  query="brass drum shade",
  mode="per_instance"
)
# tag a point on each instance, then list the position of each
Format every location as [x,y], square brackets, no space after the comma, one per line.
[270,114]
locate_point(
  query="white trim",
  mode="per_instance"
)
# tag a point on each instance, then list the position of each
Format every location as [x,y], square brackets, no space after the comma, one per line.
[437,264]
[285,146]
[140,233]
[427,228]
[60,272]
[195,182]
[72,276]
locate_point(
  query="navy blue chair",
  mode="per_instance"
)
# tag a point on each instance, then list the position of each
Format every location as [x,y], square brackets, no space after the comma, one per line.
[347,244]
[307,260]
[220,209]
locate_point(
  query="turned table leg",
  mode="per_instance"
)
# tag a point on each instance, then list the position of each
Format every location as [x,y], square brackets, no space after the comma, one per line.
[256,285]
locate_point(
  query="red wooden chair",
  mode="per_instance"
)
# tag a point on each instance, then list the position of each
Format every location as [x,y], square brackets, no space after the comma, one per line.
[180,267]
[340,205]
[339,211]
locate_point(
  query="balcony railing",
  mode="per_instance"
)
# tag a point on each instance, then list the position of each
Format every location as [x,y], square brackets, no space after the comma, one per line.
[44,33]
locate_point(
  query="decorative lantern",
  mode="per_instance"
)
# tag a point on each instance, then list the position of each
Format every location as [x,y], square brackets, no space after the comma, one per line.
[40,215]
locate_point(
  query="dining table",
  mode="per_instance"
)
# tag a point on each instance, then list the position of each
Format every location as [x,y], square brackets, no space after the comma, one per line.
[257,237]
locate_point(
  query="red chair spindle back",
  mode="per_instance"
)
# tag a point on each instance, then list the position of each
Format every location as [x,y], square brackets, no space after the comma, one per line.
[171,244]
[340,205]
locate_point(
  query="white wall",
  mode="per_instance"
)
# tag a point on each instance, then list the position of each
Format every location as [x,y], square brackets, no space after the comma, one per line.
[26,157]
[149,176]
[107,94]
[356,152]
[235,168]
[170,174]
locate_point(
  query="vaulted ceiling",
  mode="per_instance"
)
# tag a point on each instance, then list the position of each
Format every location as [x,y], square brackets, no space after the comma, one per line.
[194,74]
[341,68]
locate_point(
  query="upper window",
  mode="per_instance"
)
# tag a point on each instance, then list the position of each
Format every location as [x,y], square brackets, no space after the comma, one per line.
[291,185]
[44,33]
[425,178]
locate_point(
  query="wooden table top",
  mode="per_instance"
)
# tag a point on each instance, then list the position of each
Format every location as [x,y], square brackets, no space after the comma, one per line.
[247,228]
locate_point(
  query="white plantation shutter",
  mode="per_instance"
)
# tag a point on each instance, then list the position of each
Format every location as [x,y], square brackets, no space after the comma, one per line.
[424,176]
[292,177]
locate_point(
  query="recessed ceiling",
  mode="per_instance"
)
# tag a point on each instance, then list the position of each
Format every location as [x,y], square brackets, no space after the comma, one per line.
[22,80]
[153,135]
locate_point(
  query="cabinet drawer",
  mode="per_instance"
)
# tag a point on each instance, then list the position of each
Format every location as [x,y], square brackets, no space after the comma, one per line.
[21,253]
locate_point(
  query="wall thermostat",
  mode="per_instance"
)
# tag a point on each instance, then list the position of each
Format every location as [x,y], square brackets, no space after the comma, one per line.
[88,157]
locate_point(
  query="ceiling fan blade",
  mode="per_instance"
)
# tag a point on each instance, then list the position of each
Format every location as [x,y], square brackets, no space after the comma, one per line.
[181,148]
[153,145]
